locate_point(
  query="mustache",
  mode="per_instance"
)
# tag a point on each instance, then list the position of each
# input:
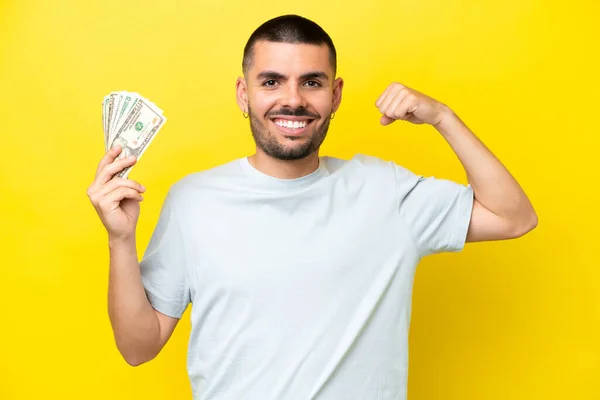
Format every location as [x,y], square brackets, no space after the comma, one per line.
[298,112]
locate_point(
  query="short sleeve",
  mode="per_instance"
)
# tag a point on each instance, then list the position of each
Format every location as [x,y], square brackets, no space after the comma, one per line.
[163,267]
[437,212]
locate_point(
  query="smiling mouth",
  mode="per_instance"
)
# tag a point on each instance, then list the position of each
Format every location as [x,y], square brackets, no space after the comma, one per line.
[293,127]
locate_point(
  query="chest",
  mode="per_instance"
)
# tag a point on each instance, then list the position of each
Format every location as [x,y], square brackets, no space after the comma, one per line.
[280,247]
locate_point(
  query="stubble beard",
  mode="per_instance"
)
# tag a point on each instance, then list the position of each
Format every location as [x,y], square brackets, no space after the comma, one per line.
[271,146]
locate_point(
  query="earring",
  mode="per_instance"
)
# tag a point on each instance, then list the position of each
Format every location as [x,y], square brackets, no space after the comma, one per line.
[332,116]
[245,114]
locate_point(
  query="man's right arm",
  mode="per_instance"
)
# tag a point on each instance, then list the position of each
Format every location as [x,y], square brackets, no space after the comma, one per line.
[140,331]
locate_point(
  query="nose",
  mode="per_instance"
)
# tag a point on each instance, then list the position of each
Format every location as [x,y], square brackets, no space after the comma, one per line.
[292,97]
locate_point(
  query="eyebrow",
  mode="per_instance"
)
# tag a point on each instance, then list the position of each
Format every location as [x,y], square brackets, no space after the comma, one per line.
[277,75]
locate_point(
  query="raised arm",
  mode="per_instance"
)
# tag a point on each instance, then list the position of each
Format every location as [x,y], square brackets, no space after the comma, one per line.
[501,209]
[140,331]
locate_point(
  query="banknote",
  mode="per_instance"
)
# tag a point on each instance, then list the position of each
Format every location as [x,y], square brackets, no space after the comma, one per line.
[105,120]
[125,102]
[130,121]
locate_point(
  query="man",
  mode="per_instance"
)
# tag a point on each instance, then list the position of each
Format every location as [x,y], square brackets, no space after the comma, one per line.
[299,266]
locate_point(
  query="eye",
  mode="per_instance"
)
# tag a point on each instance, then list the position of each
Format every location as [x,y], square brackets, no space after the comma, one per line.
[313,83]
[270,82]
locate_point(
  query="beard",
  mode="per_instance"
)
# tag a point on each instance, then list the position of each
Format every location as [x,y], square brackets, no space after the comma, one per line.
[269,143]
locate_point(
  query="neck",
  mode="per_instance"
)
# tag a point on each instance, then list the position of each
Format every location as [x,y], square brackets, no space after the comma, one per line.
[284,169]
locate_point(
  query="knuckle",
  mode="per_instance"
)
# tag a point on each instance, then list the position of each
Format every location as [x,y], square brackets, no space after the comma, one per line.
[119,163]
[110,187]
[104,171]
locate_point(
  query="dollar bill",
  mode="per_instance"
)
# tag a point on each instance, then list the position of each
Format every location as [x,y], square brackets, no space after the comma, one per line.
[137,130]
[118,99]
[129,100]
[109,110]
[105,120]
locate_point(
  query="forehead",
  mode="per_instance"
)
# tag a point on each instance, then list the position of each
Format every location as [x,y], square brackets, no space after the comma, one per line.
[290,58]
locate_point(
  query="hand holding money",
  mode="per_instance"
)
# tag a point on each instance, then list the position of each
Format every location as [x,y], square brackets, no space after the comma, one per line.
[130,121]
[116,199]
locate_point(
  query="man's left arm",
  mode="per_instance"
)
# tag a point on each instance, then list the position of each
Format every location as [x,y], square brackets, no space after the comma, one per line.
[501,209]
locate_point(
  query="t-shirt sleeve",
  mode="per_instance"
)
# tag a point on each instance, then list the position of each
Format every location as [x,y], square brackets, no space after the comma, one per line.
[437,212]
[163,267]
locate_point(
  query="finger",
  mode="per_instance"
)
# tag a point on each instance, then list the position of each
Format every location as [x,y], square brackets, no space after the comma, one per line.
[113,199]
[109,157]
[114,168]
[385,107]
[383,95]
[405,109]
[117,182]
[392,88]
[392,109]
[411,103]
[385,120]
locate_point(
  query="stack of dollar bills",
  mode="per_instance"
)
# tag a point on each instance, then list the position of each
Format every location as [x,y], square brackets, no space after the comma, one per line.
[130,121]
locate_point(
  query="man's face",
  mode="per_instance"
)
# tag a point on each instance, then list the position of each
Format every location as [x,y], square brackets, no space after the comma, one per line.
[290,93]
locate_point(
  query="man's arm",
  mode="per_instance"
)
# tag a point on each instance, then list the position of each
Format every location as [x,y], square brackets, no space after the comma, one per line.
[140,331]
[501,209]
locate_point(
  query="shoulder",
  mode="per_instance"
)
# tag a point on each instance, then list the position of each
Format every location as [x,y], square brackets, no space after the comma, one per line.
[205,180]
[371,167]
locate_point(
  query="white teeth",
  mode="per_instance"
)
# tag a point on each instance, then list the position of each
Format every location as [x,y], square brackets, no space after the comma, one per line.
[291,124]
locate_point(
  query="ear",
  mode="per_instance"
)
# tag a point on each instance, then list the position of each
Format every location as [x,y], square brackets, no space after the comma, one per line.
[241,94]
[338,85]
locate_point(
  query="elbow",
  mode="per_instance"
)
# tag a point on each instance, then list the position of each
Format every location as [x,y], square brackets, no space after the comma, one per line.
[136,358]
[134,361]
[534,221]
[526,225]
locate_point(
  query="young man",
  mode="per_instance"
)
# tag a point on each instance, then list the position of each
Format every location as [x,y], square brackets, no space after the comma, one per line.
[299,266]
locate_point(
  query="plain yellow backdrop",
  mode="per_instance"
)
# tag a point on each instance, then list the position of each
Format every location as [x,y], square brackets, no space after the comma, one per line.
[506,320]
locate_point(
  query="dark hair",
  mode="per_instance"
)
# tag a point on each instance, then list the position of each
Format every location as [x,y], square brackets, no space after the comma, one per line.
[289,29]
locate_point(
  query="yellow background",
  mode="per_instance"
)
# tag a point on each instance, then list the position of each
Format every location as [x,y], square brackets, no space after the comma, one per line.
[507,320]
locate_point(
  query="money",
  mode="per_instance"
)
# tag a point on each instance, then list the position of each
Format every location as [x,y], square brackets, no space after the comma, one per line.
[130,121]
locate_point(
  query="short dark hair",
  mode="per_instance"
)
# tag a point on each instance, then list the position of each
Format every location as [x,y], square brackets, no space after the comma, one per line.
[289,29]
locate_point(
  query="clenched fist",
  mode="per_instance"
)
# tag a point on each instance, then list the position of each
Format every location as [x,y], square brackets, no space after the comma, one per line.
[115,199]
[399,102]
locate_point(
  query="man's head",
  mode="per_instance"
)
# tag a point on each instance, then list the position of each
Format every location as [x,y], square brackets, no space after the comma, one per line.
[289,88]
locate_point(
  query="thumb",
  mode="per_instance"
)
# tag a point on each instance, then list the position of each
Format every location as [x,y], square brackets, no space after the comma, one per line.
[385,120]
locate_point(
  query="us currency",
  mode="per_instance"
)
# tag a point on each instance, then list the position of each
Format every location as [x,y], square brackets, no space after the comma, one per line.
[133,122]
[117,100]
[105,120]
[109,110]
[125,102]
[110,105]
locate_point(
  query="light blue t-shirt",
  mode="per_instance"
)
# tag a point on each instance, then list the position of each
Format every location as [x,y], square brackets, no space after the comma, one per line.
[301,288]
